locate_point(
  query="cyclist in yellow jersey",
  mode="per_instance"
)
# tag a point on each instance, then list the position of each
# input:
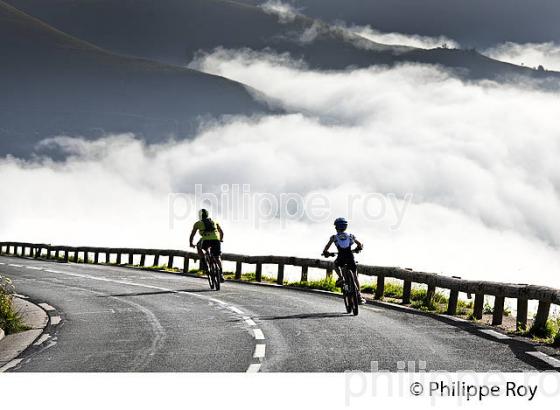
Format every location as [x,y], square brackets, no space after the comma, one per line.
[211,237]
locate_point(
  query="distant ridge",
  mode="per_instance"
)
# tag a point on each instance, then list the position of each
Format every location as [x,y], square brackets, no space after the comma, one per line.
[172,31]
[53,84]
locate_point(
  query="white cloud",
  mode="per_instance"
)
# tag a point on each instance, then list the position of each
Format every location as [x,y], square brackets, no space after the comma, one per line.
[400,39]
[529,54]
[480,160]
[285,12]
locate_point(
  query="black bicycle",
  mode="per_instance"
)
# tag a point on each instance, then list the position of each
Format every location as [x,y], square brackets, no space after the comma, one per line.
[350,291]
[212,270]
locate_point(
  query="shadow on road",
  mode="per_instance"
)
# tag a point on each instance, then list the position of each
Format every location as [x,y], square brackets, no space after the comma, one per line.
[163,292]
[304,316]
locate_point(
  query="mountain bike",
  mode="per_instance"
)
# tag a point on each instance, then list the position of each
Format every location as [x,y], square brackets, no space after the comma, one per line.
[350,291]
[212,270]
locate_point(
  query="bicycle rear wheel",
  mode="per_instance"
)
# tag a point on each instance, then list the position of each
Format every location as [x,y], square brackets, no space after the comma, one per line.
[216,274]
[209,275]
[346,291]
[355,296]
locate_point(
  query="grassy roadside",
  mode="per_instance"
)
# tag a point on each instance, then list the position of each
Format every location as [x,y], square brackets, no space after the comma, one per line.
[10,320]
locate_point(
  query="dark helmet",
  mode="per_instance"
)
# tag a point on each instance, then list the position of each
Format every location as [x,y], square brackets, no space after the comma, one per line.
[203,214]
[341,223]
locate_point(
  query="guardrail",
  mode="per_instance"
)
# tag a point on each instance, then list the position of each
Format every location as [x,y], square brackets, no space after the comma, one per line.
[546,296]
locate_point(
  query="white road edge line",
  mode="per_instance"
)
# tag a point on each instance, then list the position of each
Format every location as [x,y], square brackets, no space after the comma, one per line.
[234,309]
[10,365]
[546,358]
[46,306]
[258,334]
[33,268]
[254,368]
[494,334]
[260,351]
[15,266]
[2,263]
[55,320]
[42,339]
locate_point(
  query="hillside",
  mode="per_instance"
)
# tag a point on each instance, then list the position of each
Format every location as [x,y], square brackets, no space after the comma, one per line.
[172,31]
[474,23]
[54,84]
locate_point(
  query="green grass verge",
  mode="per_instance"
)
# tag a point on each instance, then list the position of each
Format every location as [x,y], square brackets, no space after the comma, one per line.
[10,320]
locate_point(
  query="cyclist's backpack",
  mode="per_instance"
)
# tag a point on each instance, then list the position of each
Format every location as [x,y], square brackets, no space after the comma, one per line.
[343,240]
[209,225]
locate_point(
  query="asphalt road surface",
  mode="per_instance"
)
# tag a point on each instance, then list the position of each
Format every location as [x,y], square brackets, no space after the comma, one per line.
[117,319]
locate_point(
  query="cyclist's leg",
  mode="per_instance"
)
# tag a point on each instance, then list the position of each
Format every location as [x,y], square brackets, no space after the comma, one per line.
[201,255]
[216,250]
[354,271]
[338,270]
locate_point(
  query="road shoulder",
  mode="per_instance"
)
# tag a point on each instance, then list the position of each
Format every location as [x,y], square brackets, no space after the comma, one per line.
[12,346]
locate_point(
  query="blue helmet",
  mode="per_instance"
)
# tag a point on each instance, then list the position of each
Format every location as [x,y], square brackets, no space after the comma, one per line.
[341,223]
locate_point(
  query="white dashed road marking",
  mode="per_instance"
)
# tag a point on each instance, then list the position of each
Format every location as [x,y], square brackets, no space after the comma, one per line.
[546,358]
[15,266]
[34,268]
[254,368]
[260,350]
[258,334]
[494,334]
[249,321]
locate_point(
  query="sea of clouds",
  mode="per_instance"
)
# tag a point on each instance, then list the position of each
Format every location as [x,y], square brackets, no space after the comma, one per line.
[452,177]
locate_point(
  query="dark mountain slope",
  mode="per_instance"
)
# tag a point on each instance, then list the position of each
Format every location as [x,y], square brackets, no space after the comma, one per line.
[474,23]
[172,31]
[52,84]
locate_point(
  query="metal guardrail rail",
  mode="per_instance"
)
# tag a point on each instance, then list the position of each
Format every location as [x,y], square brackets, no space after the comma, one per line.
[546,296]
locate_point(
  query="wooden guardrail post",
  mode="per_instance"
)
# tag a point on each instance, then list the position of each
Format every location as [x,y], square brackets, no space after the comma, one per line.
[238,270]
[130,258]
[156,259]
[304,273]
[119,258]
[57,254]
[96,257]
[86,257]
[522,313]
[329,273]
[539,325]
[76,256]
[478,305]
[452,303]
[498,314]
[407,291]
[186,264]
[258,272]
[66,257]
[143,259]
[280,275]
[380,288]
[170,261]
[430,293]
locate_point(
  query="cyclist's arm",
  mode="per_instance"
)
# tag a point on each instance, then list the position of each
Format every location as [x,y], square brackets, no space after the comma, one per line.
[360,245]
[219,227]
[191,239]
